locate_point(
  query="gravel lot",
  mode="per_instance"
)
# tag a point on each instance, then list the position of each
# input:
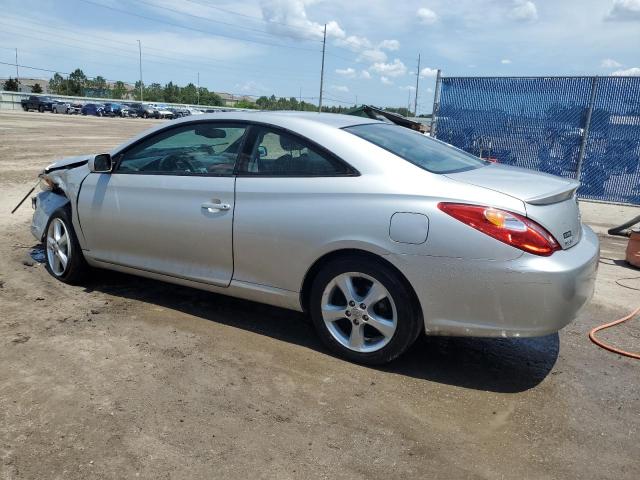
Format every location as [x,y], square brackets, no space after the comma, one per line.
[131,378]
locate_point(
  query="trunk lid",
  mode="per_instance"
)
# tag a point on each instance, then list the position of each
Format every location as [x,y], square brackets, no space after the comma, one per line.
[549,200]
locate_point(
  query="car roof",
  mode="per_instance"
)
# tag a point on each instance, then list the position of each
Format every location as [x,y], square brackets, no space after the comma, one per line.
[287,118]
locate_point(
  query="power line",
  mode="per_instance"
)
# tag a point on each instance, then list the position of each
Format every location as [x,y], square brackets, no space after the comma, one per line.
[268,22]
[195,29]
[224,63]
[133,57]
[242,27]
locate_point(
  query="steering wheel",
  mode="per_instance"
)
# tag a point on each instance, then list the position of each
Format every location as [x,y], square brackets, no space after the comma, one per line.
[175,162]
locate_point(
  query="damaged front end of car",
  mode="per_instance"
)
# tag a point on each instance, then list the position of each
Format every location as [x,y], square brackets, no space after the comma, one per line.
[59,184]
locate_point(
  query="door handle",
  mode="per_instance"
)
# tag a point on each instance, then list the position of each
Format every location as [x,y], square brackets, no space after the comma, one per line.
[215,207]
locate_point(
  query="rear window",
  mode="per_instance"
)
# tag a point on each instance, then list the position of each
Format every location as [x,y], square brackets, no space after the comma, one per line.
[419,149]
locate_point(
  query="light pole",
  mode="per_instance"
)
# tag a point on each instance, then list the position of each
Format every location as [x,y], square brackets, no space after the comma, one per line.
[198,90]
[324,42]
[17,71]
[140,51]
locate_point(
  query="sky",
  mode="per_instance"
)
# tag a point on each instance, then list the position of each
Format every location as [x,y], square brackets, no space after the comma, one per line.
[264,47]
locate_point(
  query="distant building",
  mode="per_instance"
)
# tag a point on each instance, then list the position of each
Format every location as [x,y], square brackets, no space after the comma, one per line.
[26,84]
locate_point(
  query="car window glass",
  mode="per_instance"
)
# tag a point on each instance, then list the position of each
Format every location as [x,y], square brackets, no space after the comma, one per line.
[421,150]
[279,153]
[196,149]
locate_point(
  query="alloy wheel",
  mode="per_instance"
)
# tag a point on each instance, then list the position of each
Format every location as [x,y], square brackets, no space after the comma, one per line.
[58,246]
[359,312]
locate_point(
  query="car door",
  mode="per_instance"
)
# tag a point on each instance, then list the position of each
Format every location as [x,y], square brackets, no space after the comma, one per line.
[291,196]
[168,205]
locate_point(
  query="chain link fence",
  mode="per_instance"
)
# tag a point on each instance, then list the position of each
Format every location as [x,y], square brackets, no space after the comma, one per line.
[575,127]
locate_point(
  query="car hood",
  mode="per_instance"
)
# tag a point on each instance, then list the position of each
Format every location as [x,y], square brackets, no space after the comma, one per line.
[68,162]
[529,186]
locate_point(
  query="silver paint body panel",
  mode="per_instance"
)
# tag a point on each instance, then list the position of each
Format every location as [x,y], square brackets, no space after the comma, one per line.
[261,249]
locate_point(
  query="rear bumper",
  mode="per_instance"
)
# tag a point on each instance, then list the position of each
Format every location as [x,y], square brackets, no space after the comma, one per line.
[526,297]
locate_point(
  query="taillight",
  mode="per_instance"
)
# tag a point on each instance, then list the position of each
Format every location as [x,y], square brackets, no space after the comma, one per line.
[507,227]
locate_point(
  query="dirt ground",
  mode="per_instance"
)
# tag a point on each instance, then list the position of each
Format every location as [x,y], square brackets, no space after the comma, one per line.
[132,378]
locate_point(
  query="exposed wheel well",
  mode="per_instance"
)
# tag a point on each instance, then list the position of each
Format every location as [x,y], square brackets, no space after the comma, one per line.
[305,293]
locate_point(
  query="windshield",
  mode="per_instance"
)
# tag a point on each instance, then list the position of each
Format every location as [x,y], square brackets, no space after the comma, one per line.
[425,152]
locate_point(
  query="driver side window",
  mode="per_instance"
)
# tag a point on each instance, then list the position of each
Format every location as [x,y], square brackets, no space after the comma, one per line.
[205,148]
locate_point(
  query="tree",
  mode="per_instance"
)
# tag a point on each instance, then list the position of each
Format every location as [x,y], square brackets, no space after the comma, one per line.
[246,104]
[11,85]
[171,93]
[76,83]
[119,90]
[154,93]
[36,88]
[57,84]
[189,94]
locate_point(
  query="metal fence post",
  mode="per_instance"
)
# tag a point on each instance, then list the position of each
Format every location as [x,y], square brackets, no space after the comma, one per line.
[436,104]
[587,125]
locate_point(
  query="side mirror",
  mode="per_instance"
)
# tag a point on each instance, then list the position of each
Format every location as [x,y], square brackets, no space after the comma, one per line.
[101,163]
[262,151]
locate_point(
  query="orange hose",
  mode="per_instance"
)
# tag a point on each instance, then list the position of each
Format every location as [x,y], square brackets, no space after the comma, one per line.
[609,347]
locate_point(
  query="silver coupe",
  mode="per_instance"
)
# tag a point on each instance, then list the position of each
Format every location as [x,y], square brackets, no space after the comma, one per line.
[378,232]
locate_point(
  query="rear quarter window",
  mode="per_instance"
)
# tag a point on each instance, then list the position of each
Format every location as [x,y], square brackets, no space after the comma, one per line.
[421,150]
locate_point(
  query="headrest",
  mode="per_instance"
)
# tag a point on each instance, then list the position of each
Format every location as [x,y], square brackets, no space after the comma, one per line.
[287,142]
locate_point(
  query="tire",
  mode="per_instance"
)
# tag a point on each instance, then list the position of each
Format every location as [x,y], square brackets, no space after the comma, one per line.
[384,329]
[75,269]
[145,115]
[41,109]
[25,108]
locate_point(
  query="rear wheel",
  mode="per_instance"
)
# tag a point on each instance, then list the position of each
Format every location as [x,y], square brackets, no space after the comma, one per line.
[64,259]
[41,109]
[363,311]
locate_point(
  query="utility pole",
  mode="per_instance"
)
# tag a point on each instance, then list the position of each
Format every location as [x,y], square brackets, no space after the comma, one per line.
[140,50]
[415,102]
[198,88]
[17,71]
[324,43]
[356,100]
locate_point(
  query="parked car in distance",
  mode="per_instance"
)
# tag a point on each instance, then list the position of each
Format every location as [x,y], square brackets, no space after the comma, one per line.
[194,111]
[142,110]
[116,110]
[161,111]
[35,102]
[380,233]
[93,109]
[179,112]
[61,106]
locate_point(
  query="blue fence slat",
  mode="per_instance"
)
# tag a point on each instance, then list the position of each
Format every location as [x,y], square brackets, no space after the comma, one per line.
[539,123]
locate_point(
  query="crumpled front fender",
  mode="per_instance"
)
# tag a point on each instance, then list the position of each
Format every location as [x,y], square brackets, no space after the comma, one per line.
[47,202]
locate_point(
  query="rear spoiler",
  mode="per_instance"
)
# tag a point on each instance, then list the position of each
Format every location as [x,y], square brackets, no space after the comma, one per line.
[555,197]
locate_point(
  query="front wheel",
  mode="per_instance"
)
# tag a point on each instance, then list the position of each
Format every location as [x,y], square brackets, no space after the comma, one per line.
[41,109]
[64,259]
[364,311]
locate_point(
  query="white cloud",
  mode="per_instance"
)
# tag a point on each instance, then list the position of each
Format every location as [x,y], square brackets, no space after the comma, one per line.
[354,43]
[393,69]
[610,63]
[428,72]
[633,71]
[624,10]
[390,45]
[346,72]
[340,88]
[251,87]
[385,80]
[427,16]
[365,74]
[372,56]
[505,61]
[524,11]
[289,18]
